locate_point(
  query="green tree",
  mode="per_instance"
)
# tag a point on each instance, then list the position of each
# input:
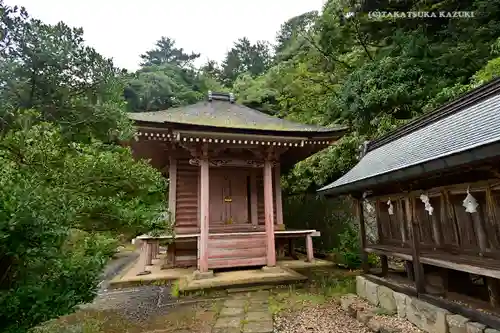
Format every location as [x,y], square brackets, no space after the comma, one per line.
[245,57]
[66,189]
[165,52]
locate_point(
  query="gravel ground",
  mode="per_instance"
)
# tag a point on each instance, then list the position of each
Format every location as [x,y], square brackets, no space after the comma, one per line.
[324,318]
[329,317]
[388,321]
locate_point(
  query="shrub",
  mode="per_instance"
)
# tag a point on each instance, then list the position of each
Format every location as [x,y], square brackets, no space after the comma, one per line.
[348,252]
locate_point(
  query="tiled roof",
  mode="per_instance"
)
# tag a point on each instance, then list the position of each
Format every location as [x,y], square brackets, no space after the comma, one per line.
[464,129]
[225,114]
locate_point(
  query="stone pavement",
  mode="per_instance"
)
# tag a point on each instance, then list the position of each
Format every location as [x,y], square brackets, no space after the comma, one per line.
[245,312]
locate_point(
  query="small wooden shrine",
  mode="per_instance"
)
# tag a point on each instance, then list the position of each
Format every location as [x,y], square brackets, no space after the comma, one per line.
[224,161]
[434,187]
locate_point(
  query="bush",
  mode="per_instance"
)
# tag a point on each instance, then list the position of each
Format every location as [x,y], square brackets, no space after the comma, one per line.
[348,252]
[329,216]
[60,206]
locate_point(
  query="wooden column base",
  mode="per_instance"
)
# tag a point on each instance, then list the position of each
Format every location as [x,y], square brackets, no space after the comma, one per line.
[149,253]
[309,248]
[197,275]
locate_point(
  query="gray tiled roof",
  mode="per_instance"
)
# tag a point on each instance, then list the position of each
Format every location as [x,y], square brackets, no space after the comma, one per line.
[471,127]
[226,115]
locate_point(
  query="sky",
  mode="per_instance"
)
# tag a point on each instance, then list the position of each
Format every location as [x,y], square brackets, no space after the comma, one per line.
[123,30]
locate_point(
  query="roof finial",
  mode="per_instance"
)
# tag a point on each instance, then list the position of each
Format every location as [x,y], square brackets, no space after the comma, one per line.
[231,97]
[362,149]
[210,95]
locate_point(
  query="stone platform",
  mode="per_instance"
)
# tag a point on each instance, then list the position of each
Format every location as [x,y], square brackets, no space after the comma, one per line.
[284,273]
[427,317]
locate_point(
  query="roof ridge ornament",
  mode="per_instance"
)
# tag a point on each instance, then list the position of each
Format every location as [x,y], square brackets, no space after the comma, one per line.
[221,96]
[362,149]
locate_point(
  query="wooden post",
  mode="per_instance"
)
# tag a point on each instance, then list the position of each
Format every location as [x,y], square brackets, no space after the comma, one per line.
[172,186]
[143,258]
[269,212]
[401,218]
[204,215]
[291,249]
[493,291]
[277,191]
[154,246]
[254,198]
[409,270]
[381,235]
[384,262]
[415,239]
[309,248]
[362,236]
[436,231]
[169,261]
[492,283]
[149,252]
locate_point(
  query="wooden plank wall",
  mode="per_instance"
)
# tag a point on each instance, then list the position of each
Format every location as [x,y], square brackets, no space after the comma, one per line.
[187,213]
[236,250]
[450,228]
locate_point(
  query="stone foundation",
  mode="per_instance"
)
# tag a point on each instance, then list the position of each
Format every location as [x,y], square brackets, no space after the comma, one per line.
[423,315]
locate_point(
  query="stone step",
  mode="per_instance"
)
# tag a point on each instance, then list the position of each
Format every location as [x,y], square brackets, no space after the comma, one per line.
[248,289]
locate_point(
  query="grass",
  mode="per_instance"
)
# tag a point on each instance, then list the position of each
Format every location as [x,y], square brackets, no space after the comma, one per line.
[322,287]
[190,318]
[88,321]
[174,289]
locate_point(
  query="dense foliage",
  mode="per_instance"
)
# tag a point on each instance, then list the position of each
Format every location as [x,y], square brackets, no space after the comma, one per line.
[67,190]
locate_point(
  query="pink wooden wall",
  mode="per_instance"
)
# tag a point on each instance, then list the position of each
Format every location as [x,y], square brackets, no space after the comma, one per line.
[187,201]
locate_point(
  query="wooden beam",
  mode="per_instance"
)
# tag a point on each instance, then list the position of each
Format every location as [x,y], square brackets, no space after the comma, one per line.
[269,213]
[415,239]
[396,287]
[362,236]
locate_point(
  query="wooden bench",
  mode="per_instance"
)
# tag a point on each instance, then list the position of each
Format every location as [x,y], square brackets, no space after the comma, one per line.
[291,234]
[460,262]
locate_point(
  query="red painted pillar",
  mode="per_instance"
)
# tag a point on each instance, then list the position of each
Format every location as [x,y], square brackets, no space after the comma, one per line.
[269,213]
[277,190]
[204,215]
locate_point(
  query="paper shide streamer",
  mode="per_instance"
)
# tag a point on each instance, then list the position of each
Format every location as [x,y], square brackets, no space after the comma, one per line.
[428,207]
[470,203]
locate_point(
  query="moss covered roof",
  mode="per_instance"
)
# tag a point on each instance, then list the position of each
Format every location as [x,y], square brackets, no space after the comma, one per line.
[225,114]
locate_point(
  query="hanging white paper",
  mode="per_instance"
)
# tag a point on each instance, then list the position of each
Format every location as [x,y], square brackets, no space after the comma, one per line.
[369,206]
[426,201]
[391,208]
[470,203]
